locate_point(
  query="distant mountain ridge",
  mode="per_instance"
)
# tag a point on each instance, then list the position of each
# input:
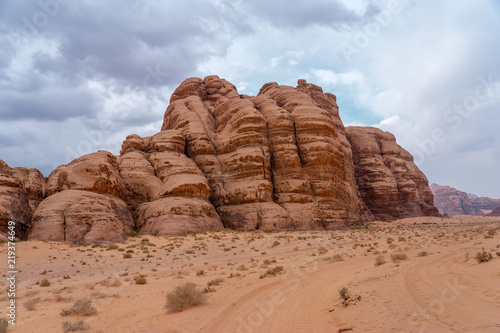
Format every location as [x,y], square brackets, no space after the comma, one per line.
[451,201]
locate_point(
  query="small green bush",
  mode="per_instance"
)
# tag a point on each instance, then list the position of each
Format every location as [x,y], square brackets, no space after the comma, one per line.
[344,293]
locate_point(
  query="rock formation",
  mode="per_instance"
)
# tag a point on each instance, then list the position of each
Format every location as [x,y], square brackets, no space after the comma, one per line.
[495,212]
[451,201]
[14,203]
[82,216]
[165,190]
[278,160]
[390,183]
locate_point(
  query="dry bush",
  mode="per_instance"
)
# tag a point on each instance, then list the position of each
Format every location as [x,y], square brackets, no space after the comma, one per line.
[336,257]
[74,326]
[272,272]
[322,250]
[81,307]
[140,280]
[483,256]
[4,324]
[398,256]
[183,297]
[423,254]
[30,305]
[380,260]
[215,282]
[45,283]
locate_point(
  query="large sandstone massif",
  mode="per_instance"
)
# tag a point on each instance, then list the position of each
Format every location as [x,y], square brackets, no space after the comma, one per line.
[451,201]
[278,160]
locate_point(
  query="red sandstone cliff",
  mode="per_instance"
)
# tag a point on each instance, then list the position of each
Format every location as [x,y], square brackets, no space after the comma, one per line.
[278,160]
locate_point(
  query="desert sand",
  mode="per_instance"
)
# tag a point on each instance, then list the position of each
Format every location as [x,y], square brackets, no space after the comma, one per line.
[439,287]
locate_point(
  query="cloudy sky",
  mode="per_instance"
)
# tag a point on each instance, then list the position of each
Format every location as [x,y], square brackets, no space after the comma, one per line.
[79,76]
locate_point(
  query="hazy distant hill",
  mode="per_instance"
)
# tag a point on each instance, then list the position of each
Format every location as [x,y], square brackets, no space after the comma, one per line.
[451,201]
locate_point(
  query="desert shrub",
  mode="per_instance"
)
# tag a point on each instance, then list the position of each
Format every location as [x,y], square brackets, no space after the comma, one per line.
[322,250]
[134,234]
[127,255]
[30,305]
[497,253]
[207,290]
[389,240]
[337,257]
[183,297]
[380,260]
[423,254]
[398,256]
[68,326]
[200,273]
[215,282]
[81,307]
[4,324]
[344,293]
[112,247]
[45,283]
[272,272]
[140,280]
[483,256]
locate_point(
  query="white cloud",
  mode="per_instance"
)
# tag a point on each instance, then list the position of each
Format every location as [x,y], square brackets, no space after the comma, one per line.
[329,77]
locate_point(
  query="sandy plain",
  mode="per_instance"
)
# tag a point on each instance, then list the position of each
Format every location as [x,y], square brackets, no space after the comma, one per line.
[438,287]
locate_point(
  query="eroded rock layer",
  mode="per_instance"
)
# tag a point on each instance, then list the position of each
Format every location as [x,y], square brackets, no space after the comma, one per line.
[390,183]
[78,216]
[14,202]
[278,160]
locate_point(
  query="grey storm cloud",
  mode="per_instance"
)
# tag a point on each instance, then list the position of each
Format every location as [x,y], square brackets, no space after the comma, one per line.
[299,14]
[126,42]
[69,68]
[122,39]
